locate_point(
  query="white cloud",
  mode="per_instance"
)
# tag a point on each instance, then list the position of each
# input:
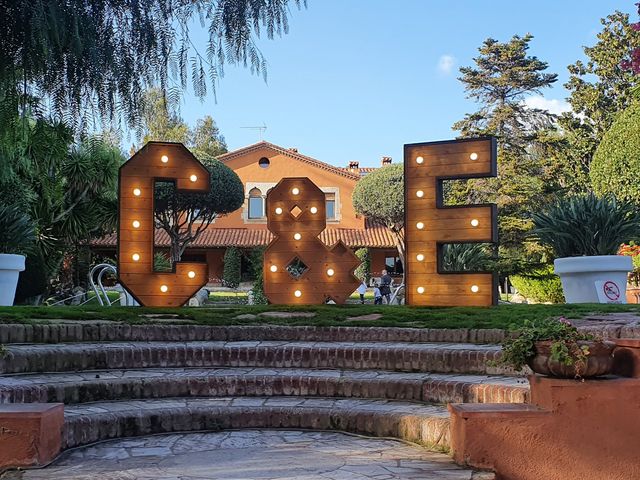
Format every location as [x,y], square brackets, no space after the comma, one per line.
[446,64]
[552,105]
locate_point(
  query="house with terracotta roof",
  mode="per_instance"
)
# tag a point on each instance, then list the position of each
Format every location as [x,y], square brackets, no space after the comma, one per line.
[260,167]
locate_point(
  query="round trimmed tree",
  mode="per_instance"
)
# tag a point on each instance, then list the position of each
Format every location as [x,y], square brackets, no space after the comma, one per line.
[616,164]
[380,197]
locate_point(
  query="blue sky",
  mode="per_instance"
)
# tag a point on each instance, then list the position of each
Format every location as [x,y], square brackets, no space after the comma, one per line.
[357,79]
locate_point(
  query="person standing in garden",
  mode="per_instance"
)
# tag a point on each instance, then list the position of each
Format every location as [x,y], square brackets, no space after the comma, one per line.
[385,285]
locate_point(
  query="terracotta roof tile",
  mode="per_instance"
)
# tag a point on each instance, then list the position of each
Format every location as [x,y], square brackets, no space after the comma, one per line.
[375,236]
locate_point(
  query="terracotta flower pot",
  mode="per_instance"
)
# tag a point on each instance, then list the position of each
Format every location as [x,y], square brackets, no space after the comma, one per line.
[599,361]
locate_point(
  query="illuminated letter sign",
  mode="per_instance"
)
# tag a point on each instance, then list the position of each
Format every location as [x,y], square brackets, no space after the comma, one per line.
[298,267]
[136,183]
[429,224]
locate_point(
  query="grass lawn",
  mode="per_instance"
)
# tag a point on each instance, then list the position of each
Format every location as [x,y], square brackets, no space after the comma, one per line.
[502,316]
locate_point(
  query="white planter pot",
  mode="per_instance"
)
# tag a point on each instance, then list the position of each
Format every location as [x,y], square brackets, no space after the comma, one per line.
[597,279]
[10,268]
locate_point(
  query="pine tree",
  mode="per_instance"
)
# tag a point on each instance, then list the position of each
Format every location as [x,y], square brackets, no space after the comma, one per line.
[503,76]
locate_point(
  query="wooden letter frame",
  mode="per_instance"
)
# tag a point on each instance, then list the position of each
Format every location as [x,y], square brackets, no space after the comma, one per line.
[140,174]
[426,281]
[315,285]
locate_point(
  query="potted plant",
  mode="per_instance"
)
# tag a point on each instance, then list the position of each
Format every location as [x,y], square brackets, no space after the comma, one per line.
[585,233]
[558,349]
[16,237]
[633,285]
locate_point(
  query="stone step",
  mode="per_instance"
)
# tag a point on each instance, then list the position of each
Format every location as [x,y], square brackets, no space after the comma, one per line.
[70,331]
[409,357]
[415,422]
[91,386]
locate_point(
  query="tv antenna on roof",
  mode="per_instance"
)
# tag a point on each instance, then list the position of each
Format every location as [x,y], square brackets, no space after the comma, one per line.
[261,129]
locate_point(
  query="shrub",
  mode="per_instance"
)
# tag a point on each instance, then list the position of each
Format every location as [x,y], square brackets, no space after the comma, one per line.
[540,286]
[363,271]
[16,230]
[616,163]
[256,258]
[587,225]
[466,257]
[232,267]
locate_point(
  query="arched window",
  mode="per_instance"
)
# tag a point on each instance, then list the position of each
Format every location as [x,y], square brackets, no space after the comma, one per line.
[256,203]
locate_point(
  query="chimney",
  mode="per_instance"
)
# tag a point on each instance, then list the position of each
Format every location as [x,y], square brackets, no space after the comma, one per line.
[354,165]
[293,149]
[386,161]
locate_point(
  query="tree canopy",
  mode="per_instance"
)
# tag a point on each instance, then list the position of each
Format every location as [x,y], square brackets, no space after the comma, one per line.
[184,216]
[97,57]
[504,74]
[380,197]
[616,164]
[599,89]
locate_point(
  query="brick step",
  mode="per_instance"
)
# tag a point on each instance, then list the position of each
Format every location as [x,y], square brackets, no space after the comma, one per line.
[70,331]
[409,357]
[415,422]
[91,386]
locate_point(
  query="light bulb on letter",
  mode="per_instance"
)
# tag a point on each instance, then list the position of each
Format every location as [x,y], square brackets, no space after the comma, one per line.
[297,293]
[297,236]
[278,211]
[475,288]
[473,156]
[193,178]
[164,159]
[137,192]
[419,225]
[191,274]
[420,257]
[419,194]
[420,290]
[475,222]
[273,268]
[164,288]
[136,224]
[330,272]
[419,160]
[135,257]
[314,210]
[295,191]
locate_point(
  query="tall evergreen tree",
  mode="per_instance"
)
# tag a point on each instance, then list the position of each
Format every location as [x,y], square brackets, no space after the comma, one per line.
[503,76]
[599,89]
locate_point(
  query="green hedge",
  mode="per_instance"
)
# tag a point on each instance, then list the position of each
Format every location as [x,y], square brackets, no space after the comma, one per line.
[363,271]
[232,267]
[616,164]
[541,286]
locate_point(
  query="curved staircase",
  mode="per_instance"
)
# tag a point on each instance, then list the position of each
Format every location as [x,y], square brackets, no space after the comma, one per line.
[119,380]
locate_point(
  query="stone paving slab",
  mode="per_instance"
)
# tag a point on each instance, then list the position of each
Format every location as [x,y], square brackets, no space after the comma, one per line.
[395,356]
[412,421]
[251,455]
[89,386]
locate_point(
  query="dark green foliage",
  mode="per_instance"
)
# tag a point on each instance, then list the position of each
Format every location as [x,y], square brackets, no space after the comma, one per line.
[231,275]
[99,56]
[363,271]
[256,258]
[161,263]
[466,257]
[587,225]
[616,164]
[540,285]
[34,280]
[16,230]
[520,348]
[380,197]
[184,216]
[599,89]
